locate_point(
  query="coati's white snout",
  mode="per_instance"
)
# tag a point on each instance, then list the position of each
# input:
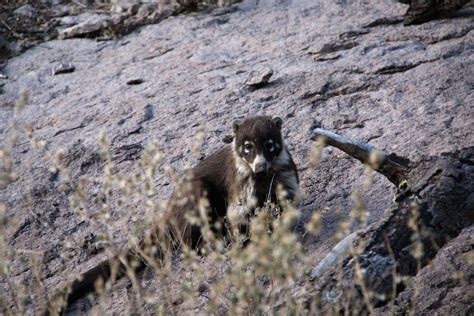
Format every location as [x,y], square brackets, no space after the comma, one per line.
[259,164]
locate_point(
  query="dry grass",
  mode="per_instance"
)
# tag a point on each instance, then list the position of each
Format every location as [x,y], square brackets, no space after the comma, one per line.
[268,276]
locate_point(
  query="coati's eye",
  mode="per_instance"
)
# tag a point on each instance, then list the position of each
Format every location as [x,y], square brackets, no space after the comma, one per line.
[247,147]
[269,145]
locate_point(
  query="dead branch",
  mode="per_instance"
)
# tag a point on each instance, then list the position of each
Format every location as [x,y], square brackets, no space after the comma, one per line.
[434,206]
[395,168]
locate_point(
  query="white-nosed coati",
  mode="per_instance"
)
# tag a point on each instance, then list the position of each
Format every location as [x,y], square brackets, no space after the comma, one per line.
[235,180]
[239,178]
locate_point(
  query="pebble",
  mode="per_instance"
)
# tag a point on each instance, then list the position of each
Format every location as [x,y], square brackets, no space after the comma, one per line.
[63,68]
[69,20]
[93,24]
[259,76]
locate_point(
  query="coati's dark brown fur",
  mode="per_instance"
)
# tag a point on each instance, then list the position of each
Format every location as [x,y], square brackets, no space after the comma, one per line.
[238,178]
[235,181]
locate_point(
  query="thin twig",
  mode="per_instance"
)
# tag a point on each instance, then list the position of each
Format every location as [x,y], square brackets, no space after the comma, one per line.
[11,30]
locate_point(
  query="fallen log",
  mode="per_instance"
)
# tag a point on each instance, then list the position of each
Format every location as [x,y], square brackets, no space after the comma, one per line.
[434,202]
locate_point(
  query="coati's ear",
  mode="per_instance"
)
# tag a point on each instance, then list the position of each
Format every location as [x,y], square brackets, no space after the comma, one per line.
[277,121]
[236,125]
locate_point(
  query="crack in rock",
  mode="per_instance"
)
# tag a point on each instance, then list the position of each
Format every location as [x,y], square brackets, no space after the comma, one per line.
[391,69]
[83,124]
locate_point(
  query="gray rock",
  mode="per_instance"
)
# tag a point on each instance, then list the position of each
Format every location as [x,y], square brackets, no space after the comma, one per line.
[69,20]
[63,68]
[259,76]
[421,11]
[441,288]
[93,24]
[146,9]
[326,57]
[26,10]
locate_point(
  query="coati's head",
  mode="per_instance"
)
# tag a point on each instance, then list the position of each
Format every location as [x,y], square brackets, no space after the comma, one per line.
[258,141]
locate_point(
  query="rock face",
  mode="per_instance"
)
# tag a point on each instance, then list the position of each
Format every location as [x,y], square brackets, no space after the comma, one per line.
[445,287]
[420,11]
[38,21]
[404,89]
